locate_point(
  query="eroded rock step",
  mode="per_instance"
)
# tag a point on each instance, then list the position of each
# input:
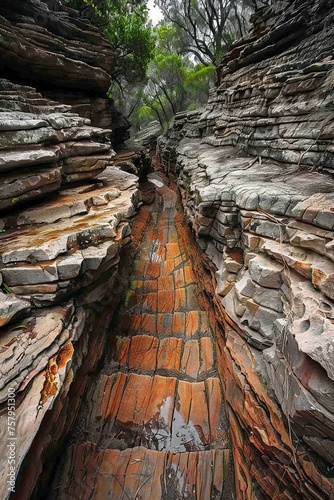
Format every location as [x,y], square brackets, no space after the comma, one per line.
[154,425]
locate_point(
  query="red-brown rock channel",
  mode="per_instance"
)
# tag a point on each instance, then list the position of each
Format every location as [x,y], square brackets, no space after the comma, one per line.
[153,424]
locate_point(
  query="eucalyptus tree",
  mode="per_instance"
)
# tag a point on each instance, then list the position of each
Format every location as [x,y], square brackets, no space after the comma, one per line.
[174,82]
[207,28]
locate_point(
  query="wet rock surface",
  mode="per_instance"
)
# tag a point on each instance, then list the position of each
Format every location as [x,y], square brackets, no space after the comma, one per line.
[153,423]
[255,173]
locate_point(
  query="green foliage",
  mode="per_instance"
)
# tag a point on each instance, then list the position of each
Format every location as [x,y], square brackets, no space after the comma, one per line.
[5,288]
[165,39]
[164,92]
[170,68]
[198,81]
[206,28]
[127,297]
[174,83]
[125,24]
[135,44]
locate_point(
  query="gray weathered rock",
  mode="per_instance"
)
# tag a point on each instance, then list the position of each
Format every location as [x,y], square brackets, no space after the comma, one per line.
[257,180]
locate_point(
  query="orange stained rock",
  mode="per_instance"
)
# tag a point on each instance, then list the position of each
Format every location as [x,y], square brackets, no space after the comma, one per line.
[150,302]
[135,323]
[167,267]
[153,482]
[149,323]
[189,275]
[190,359]
[140,223]
[180,299]
[193,408]
[144,400]
[113,484]
[85,460]
[164,324]
[207,359]
[64,355]
[186,464]
[178,261]
[50,386]
[92,474]
[152,270]
[150,286]
[162,251]
[169,354]
[192,323]
[173,250]
[143,352]
[198,473]
[179,278]
[214,399]
[165,301]
[166,283]
[122,349]
[165,397]
[133,404]
[163,389]
[179,319]
[110,393]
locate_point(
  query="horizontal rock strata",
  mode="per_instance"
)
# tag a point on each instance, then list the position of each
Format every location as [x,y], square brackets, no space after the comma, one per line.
[254,168]
[56,47]
[67,252]
[65,212]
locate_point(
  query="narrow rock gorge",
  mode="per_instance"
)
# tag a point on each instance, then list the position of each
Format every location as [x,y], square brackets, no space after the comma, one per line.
[171,339]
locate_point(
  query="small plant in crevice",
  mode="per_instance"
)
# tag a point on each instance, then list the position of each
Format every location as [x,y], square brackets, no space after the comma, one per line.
[5,288]
[134,284]
[127,297]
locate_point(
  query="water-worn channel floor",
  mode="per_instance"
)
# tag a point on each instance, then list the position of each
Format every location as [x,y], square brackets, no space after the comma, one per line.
[154,422]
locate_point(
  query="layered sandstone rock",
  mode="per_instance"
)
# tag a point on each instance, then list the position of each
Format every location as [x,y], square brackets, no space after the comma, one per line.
[64,56]
[54,47]
[65,210]
[255,172]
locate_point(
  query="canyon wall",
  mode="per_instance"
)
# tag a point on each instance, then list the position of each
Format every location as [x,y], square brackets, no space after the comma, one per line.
[64,220]
[255,171]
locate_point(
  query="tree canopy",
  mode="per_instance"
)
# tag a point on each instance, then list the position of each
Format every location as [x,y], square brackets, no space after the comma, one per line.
[174,82]
[161,71]
[207,28]
[125,24]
